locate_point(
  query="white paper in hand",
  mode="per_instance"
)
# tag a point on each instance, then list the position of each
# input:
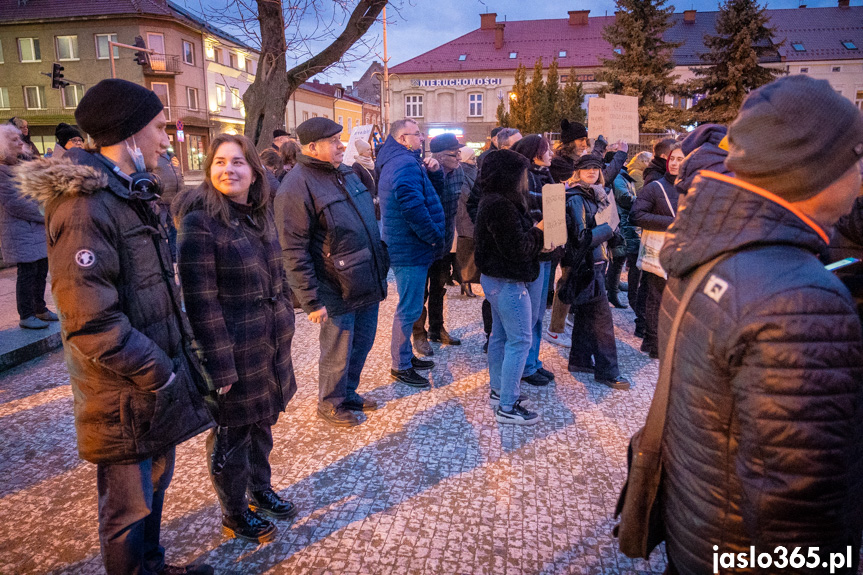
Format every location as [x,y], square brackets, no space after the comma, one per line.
[609,214]
[554,214]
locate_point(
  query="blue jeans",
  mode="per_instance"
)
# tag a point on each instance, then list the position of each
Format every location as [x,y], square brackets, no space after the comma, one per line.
[511,337]
[130,513]
[346,340]
[411,285]
[538,290]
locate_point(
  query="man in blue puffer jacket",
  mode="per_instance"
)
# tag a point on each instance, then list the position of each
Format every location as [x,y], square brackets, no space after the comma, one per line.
[413,226]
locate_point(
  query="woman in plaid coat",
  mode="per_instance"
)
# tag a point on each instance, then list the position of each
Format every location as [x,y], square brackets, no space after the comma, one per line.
[235,293]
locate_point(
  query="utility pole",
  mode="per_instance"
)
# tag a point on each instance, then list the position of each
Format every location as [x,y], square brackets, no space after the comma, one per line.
[386,78]
[112,45]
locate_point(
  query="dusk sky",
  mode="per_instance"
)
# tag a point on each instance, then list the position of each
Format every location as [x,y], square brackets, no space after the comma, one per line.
[416,26]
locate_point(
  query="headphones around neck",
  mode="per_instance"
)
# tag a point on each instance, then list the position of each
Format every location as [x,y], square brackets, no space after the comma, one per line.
[142,185]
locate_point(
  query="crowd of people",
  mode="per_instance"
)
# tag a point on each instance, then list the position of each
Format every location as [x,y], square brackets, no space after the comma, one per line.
[764,434]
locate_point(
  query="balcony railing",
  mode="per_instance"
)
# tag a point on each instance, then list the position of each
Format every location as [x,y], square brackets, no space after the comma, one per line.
[193,117]
[164,64]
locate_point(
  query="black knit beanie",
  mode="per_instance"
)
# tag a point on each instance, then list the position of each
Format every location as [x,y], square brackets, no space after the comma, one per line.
[502,171]
[114,110]
[794,137]
[571,131]
[64,132]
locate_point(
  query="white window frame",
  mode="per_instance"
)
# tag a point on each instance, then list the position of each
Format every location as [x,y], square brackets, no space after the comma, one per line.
[167,96]
[236,99]
[34,43]
[4,98]
[221,96]
[341,121]
[75,89]
[191,46]
[413,106]
[233,60]
[190,100]
[561,54]
[350,121]
[474,100]
[306,116]
[513,55]
[73,47]
[110,38]
[2,61]
[859,97]
[40,96]
[462,57]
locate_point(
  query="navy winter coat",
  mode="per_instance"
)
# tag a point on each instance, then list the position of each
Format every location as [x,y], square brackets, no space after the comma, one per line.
[22,225]
[411,211]
[763,441]
[650,210]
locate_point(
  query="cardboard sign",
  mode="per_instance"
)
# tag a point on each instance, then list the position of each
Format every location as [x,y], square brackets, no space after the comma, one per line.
[615,117]
[554,214]
[358,133]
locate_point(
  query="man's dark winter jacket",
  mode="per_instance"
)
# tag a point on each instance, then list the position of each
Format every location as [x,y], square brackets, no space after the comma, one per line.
[411,211]
[450,192]
[121,334]
[624,196]
[650,210]
[463,221]
[507,242]
[704,150]
[22,225]
[331,245]
[655,169]
[236,300]
[763,443]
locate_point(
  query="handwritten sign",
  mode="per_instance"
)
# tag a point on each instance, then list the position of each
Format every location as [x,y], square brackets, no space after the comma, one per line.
[358,133]
[554,214]
[615,117]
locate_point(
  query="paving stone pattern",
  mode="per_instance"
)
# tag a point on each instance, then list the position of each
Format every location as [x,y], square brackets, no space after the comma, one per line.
[429,484]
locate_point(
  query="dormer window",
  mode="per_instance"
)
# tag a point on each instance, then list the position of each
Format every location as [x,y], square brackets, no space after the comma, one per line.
[513,55]
[338,93]
[462,57]
[618,50]
[798,46]
[849,45]
[561,54]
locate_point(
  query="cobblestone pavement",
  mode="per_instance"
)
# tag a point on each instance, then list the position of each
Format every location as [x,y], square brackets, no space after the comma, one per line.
[428,484]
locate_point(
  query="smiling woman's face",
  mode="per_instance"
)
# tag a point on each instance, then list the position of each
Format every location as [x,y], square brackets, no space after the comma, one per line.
[230,173]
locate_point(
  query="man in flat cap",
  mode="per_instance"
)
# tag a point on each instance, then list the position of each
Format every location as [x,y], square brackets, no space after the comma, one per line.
[336,264]
[124,335]
[445,149]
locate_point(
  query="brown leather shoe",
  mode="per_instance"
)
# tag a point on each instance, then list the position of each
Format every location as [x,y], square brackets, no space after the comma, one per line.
[338,416]
[363,404]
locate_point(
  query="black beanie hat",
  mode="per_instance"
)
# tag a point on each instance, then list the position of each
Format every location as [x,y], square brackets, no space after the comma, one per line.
[64,132]
[570,132]
[587,162]
[794,137]
[114,110]
[495,130]
[317,128]
[502,171]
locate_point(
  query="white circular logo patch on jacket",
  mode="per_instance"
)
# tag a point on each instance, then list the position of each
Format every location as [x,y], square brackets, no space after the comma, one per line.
[85,258]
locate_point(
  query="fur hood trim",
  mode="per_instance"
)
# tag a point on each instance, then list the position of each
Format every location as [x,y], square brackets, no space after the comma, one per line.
[49,178]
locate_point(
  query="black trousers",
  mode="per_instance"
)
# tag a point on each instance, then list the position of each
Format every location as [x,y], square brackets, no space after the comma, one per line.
[486,317]
[637,298]
[30,287]
[655,285]
[433,297]
[239,459]
[593,337]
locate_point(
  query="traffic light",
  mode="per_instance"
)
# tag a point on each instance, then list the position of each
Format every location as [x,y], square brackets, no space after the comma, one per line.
[142,58]
[57,80]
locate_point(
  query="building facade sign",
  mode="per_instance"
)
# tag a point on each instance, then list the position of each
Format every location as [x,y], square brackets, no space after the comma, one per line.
[456,82]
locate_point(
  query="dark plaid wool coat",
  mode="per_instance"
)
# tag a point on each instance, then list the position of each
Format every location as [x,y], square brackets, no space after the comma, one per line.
[236,300]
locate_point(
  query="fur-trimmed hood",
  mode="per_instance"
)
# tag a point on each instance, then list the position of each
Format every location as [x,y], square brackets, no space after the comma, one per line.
[76,172]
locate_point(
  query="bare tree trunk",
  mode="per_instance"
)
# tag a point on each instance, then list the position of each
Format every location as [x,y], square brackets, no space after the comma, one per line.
[265,100]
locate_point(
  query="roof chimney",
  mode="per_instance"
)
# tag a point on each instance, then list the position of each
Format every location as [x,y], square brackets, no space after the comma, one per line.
[844,3]
[689,16]
[498,35]
[487,21]
[578,17]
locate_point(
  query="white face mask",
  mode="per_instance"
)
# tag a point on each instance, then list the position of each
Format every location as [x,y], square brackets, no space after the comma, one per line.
[136,155]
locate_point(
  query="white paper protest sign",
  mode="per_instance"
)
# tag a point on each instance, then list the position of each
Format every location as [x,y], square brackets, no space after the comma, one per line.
[609,215]
[554,214]
[615,117]
[358,133]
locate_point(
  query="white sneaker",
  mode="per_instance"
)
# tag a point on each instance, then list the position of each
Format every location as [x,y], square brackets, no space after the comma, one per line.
[569,322]
[518,416]
[560,339]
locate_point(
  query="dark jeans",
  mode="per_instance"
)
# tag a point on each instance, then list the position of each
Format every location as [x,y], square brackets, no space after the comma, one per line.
[435,290]
[593,335]
[486,317]
[346,340]
[30,287]
[239,459]
[637,300]
[130,514]
[655,285]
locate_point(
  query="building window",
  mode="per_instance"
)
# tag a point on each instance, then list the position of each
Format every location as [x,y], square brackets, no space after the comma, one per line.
[4,98]
[251,66]
[798,46]
[804,70]
[102,46]
[306,116]
[475,103]
[218,55]
[196,152]
[235,98]
[413,106]
[72,94]
[188,53]
[28,50]
[462,57]
[1,53]
[349,125]
[836,69]
[858,100]
[67,47]
[161,90]
[221,96]
[618,50]
[513,55]
[192,98]
[315,115]
[849,45]
[34,97]
[679,102]
[341,121]
[561,54]
[233,61]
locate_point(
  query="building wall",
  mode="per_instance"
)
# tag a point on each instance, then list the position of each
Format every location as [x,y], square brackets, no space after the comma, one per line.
[305,104]
[349,114]
[228,117]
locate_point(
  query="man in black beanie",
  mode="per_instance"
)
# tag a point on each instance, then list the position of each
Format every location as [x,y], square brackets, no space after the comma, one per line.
[124,335]
[763,441]
[279,138]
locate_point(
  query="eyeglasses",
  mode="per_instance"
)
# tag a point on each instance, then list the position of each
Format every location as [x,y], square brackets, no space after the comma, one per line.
[413,134]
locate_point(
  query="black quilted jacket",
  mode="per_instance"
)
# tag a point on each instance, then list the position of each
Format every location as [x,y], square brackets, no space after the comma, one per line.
[764,435]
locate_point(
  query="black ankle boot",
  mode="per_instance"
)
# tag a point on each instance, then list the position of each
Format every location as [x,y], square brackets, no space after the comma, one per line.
[249,526]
